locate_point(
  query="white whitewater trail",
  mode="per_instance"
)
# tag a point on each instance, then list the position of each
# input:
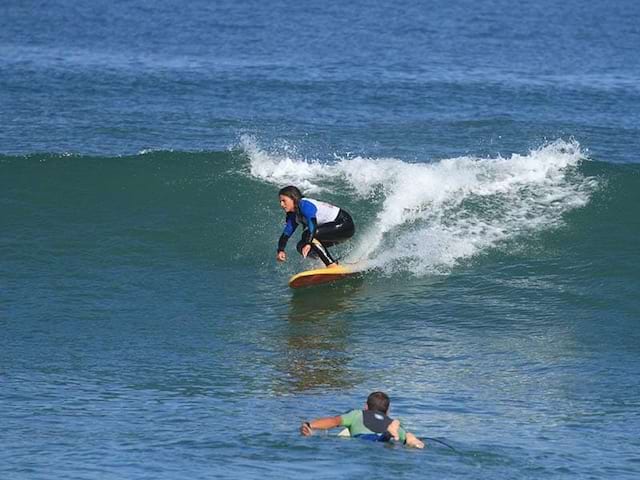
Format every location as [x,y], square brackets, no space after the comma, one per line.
[432,215]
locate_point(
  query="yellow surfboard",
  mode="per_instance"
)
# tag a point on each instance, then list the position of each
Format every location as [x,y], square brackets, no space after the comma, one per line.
[320,275]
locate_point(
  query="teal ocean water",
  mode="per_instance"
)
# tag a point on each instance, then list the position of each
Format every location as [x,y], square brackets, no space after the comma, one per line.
[488,154]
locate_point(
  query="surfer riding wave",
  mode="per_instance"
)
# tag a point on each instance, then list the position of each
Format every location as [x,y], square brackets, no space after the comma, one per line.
[324,224]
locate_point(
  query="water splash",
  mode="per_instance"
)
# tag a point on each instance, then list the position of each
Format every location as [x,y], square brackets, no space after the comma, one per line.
[432,215]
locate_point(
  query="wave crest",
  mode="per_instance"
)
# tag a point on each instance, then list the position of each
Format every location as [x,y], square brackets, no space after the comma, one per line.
[429,216]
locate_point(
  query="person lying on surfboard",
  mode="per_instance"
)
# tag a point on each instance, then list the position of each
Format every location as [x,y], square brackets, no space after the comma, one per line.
[372,423]
[324,225]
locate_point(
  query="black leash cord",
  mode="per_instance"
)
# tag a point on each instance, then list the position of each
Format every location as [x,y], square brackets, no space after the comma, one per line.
[440,441]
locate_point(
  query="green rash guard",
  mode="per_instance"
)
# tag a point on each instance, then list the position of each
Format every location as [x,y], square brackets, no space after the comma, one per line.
[354,422]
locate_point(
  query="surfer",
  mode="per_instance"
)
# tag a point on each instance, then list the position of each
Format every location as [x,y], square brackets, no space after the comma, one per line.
[372,423]
[324,225]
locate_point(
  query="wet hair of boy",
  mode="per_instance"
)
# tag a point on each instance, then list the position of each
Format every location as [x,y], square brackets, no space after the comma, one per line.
[378,402]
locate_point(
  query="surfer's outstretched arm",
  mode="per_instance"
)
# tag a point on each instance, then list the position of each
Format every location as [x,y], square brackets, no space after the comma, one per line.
[324,423]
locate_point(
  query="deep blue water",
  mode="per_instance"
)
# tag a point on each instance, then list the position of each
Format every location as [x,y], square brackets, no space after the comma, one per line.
[488,152]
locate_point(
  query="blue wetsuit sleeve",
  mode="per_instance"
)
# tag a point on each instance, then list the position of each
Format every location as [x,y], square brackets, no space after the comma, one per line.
[309,211]
[290,225]
[289,228]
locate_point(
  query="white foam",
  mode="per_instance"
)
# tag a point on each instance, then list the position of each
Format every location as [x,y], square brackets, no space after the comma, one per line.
[432,215]
[282,168]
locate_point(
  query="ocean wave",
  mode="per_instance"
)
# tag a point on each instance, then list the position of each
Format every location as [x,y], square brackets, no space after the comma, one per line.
[423,218]
[429,216]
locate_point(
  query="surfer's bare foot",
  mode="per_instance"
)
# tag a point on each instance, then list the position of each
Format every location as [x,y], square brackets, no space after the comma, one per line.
[332,265]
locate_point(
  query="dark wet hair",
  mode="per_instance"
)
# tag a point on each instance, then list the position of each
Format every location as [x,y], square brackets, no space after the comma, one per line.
[292,192]
[378,402]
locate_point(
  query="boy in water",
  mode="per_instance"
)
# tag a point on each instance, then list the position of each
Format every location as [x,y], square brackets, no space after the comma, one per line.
[372,423]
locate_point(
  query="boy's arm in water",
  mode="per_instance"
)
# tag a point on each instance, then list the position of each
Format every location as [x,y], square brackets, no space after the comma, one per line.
[413,441]
[324,423]
[399,434]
